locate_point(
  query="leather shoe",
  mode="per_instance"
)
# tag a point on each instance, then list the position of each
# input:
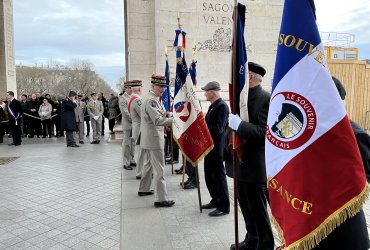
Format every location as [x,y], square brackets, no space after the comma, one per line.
[216,213]
[145,193]
[244,245]
[81,142]
[132,164]
[208,206]
[185,182]
[127,167]
[190,185]
[93,142]
[164,203]
[14,144]
[74,146]
[138,177]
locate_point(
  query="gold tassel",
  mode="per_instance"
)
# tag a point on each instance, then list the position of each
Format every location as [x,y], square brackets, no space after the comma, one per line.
[311,240]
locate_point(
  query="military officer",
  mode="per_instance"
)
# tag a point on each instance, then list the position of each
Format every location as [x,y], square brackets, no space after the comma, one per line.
[153,118]
[134,108]
[95,109]
[127,143]
[80,112]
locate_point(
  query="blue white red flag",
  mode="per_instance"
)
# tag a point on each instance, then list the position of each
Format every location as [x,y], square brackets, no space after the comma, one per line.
[193,72]
[189,126]
[166,96]
[315,171]
[238,90]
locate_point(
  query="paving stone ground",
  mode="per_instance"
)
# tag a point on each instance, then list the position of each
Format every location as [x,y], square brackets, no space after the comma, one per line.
[54,197]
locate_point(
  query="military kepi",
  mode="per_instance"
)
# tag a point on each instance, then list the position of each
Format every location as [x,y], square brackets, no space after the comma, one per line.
[136,83]
[212,86]
[256,68]
[159,80]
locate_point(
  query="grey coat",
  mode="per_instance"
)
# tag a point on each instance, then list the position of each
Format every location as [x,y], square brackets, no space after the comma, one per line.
[45,111]
[135,112]
[95,109]
[153,122]
[112,106]
[126,118]
[80,111]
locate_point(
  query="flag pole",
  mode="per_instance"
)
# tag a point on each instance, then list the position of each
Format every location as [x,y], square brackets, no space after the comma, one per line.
[171,141]
[233,70]
[198,185]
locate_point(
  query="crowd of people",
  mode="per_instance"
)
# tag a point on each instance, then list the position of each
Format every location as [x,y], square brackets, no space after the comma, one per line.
[42,116]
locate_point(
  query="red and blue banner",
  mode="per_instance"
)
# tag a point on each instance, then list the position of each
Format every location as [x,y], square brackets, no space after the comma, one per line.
[315,171]
[166,96]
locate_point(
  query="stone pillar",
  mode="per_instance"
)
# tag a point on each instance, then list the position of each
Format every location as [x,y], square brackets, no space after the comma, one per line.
[208,23]
[7,58]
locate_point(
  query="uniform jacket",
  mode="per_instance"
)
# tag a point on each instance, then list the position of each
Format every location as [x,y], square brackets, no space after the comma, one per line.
[153,122]
[135,112]
[253,166]
[216,119]
[126,118]
[45,111]
[80,111]
[67,116]
[95,109]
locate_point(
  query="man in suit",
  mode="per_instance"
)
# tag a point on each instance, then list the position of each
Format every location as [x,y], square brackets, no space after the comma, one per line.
[14,115]
[68,118]
[127,143]
[80,112]
[134,108]
[95,110]
[251,174]
[105,113]
[214,170]
[153,120]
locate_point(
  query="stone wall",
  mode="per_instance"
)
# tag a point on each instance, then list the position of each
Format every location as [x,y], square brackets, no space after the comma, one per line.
[208,23]
[7,58]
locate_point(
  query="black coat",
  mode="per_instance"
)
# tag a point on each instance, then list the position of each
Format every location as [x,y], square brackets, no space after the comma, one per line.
[216,119]
[32,104]
[253,167]
[67,116]
[15,106]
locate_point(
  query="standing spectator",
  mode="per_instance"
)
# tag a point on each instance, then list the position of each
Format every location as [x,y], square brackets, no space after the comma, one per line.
[68,118]
[56,119]
[24,118]
[14,117]
[32,108]
[251,175]
[214,170]
[5,125]
[105,108]
[113,108]
[2,124]
[45,116]
[87,117]
[47,96]
[79,112]
[95,110]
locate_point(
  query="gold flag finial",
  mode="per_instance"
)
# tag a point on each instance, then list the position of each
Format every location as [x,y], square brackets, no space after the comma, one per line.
[194,48]
[178,20]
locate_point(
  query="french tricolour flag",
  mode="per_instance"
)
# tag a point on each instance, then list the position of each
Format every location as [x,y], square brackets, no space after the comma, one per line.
[316,176]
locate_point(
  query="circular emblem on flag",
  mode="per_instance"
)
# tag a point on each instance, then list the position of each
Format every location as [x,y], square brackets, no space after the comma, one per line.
[292,120]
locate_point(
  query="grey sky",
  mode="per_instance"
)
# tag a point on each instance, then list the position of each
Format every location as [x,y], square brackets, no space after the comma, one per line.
[65,29]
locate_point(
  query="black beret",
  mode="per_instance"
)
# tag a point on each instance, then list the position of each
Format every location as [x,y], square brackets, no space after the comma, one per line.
[256,68]
[341,90]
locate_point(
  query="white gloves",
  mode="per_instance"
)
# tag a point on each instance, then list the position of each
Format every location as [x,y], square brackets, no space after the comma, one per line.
[96,117]
[170,114]
[234,121]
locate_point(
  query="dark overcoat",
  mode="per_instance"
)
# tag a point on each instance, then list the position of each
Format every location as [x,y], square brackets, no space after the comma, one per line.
[252,168]
[67,116]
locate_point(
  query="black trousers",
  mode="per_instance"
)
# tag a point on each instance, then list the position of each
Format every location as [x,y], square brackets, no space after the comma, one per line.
[111,124]
[46,127]
[102,125]
[190,171]
[16,130]
[2,132]
[87,126]
[70,138]
[34,126]
[215,176]
[253,203]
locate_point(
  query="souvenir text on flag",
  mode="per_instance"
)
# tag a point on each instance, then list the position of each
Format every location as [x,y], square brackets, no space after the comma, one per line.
[315,171]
